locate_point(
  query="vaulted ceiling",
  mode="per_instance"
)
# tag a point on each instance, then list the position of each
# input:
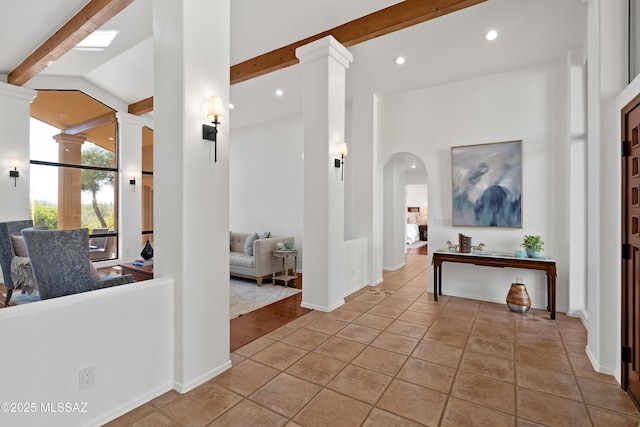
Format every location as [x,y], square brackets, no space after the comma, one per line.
[438,51]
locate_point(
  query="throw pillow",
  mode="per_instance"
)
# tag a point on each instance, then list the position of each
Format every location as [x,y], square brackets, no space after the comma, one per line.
[93,272]
[18,246]
[248,244]
[264,235]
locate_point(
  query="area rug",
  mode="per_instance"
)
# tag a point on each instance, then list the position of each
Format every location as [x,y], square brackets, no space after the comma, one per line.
[246,295]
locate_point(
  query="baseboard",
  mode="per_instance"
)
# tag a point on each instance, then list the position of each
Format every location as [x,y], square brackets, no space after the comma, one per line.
[354,289]
[129,406]
[580,315]
[377,282]
[183,388]
[320,308]
[398,267]
[599,368]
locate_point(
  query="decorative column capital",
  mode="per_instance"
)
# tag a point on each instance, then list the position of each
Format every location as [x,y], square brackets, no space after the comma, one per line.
[12,91]
[323,48]
[131,119]
[63,138]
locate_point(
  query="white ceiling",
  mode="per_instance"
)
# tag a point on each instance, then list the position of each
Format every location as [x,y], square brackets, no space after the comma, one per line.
[447,49]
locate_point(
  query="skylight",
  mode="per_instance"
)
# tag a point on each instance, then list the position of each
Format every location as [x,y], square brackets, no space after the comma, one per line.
[98,40]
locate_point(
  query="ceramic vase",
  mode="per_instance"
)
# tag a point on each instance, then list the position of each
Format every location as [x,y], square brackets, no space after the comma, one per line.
[518,298]
[532,254]
[147,251]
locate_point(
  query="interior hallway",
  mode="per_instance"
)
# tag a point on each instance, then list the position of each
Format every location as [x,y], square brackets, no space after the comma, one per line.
[391,356]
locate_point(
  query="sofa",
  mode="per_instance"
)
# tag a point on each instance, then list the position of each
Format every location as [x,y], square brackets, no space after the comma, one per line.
[251,255]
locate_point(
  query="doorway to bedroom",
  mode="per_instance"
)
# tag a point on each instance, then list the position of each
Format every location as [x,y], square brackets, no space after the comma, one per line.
[405,209]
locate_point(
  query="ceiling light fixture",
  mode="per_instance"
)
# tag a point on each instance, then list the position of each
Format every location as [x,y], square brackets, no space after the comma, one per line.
[98,40]
[279,92]
[491,35]
[400,60]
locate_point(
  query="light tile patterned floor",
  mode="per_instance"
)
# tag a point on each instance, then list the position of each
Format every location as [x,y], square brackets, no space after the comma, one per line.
[391,356]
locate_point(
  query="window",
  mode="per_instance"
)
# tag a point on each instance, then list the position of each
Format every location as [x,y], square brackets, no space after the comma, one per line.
[74,167]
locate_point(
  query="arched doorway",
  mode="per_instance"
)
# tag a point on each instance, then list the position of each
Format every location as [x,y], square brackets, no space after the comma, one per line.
[405,188]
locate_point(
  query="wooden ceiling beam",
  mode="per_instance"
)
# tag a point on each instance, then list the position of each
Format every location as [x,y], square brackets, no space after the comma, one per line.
[376,24]
[104,119]
[141,107]
[85,22]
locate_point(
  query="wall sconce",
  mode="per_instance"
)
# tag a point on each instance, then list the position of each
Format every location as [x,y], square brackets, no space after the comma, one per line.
[339,163]
[15,173]
[132,181]
[214,112]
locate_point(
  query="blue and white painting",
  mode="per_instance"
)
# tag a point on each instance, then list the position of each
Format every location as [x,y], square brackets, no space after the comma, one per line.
[487,184]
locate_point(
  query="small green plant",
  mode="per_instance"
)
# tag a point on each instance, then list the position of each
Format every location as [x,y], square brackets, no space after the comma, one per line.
[533,243]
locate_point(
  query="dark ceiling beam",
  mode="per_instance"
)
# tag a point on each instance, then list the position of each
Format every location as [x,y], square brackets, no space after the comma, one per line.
[85,22]
[141,107]
[104,119]
[376,24]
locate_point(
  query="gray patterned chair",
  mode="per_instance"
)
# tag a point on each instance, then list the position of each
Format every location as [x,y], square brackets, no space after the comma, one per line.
[8,252]
[61,265]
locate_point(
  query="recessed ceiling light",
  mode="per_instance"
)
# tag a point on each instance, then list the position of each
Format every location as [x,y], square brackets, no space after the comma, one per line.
[491,35]
[231,106]
[279,92]
[400,60]
[98,40]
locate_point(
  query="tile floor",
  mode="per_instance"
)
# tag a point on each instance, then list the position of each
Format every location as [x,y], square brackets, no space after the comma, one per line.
[391,356]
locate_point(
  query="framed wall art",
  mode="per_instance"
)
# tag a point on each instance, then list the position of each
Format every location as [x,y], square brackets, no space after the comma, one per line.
[487,184]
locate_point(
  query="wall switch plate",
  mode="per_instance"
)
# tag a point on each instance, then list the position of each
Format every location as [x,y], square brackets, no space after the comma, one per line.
[86,377]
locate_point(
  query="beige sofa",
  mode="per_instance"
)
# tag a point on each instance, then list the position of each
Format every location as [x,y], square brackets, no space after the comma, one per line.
[258,265]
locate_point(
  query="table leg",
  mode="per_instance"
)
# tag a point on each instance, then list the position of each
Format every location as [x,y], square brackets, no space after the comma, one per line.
[553,297]
[435,282]
[548,293]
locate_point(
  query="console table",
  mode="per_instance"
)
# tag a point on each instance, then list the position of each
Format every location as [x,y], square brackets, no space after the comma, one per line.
[497,260]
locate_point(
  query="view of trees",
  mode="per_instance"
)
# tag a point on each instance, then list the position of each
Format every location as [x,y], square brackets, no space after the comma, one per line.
[96,214]
[94,180]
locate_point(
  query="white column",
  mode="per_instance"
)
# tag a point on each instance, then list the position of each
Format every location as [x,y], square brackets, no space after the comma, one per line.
[364,187]
[14,144]
[191,206]
[324,63]
[130,203]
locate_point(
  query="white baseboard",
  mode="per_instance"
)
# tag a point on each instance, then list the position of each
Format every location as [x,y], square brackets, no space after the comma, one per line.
[183,388]
[398,267]
[321,308]
[129,406]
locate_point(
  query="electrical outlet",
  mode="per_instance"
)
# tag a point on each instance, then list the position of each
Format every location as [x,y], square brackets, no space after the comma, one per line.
[87,377]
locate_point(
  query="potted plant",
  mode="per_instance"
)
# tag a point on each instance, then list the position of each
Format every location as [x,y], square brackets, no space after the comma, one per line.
[532,245]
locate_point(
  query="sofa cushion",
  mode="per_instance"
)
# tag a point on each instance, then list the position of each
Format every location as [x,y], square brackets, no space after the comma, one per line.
[241,260]
[264,235]
[248,244]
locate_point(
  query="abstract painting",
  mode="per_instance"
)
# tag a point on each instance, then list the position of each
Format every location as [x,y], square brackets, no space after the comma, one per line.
[487,184]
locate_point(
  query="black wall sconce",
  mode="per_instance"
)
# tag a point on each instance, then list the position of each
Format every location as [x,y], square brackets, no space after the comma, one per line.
[15,173]
[339,163]
[132,181]
[210,133]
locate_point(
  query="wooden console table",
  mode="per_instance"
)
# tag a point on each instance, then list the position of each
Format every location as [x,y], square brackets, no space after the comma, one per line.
[495,260]
[139,273]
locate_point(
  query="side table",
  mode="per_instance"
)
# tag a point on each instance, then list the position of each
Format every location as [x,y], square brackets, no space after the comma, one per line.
[139,273]
[284,276]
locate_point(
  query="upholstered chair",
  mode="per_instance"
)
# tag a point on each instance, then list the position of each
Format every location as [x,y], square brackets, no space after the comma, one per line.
[7,251]
[61,265]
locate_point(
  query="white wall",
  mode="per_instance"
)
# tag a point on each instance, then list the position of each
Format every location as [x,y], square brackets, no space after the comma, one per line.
[527,104]
[126,332]
[14,144]
[265,179]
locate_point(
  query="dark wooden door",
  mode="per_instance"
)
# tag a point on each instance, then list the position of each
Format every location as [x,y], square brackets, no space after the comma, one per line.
[631,249]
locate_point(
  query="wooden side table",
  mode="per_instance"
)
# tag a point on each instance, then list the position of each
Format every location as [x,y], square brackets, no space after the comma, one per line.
[285,255]
[139,273]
